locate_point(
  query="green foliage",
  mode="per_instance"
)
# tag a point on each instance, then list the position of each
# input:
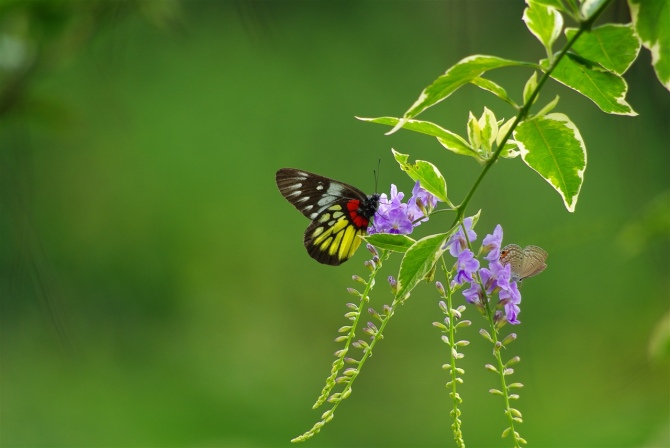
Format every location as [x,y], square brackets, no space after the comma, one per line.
[591,63]
[552,146]
[430,177]
[389,241]
[419,261]
[652,23]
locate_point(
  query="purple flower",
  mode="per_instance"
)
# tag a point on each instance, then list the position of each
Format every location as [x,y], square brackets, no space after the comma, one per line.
[420,203]
[467,266]
[473,293]
[511,298]
[495,279]
[492,243]
[393,216]
[457,242]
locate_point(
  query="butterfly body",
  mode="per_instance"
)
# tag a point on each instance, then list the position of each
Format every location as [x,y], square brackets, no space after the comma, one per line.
[340,213]
[525,262]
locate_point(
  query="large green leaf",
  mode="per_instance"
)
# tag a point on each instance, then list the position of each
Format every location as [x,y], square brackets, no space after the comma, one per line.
[426,173]
[545,22]
[418,261]
[388,241]
[462,73]
[606,89]
[652,23]
[552,146]
[613,46]
[453,142]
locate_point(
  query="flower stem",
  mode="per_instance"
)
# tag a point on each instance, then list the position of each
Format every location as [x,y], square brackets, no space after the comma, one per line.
[456,398]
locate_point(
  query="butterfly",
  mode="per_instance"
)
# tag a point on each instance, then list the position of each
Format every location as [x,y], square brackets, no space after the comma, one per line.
[525,262]
[340,213]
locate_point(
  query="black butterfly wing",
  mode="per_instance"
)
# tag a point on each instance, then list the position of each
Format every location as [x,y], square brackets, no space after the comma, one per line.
[339,212]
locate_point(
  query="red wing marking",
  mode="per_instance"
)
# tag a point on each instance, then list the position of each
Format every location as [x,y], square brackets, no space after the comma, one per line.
[359,221]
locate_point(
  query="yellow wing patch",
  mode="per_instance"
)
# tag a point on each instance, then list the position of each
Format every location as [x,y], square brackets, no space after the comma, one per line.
[333,242]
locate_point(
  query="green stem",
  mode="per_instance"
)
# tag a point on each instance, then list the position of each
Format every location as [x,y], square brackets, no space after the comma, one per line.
[456,399]
[328,415]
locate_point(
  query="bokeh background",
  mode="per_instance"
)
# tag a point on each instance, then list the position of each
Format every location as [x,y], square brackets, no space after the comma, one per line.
[154,287]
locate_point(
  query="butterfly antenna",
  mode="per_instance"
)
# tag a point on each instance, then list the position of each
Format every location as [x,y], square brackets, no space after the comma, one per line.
[376,174]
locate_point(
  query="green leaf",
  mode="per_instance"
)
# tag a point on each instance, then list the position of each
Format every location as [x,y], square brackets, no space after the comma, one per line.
[613,46]
[652,23]
[496,89]
[552,146]
[589,7]
[606,89]
[425,172]
[553,3]
[418,261]
[545,22]
[474,132]
[549,106]
[489,129]
[462,73]
[388,241]
[453,142]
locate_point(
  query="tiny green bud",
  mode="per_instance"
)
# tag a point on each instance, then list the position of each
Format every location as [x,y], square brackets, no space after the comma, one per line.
[495,392]
[515,385]
[512,361]
[344,329]
[351,315]
[351,361]
[461,308]
[514,396]
[358,278]
[508,371]
[486,335]
[443,307]
[340,353]
[351,371]
[370,265]
[463,323]
[353,292]
[462,343]
[341,338]
[491,368]
[440,289]
[509,338]
[445,338]
[440,325]
[352,306]
[372,250]
[506,432]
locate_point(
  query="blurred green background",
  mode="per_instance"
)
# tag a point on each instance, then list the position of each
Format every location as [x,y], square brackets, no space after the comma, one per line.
[154,287]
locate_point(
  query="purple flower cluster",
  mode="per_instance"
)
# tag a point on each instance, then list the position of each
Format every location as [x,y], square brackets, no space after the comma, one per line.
[394,216]
[496,278]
